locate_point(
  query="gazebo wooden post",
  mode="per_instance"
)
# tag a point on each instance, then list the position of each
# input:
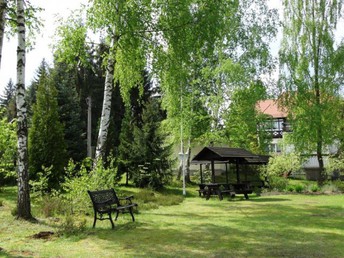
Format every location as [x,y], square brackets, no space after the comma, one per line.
[201,172]
[237,170]
[227,181]
[212,171]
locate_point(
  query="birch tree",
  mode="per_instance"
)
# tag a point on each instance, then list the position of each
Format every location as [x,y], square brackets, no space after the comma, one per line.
[3,10]
[123,24]
[311,79]
[23,204]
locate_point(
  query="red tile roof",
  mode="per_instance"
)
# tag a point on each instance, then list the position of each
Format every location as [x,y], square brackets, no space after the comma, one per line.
[272,108]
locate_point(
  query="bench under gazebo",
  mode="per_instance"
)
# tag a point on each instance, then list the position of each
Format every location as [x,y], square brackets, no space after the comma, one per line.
[226,156]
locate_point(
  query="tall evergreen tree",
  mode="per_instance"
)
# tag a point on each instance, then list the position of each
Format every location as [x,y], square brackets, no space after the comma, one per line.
[69,110]
[46,137]
[7,100]
[150,149]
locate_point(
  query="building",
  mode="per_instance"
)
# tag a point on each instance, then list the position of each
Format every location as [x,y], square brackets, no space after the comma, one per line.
[278,125]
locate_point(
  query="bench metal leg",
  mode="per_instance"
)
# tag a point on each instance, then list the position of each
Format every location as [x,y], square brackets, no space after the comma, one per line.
[131,213]
[110,218]
[95,219]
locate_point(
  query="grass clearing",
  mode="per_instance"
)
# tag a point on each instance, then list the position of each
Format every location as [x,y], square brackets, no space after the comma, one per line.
[267,226]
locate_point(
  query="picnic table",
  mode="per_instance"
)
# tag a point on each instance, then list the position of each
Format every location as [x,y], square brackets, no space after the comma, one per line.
[219,189]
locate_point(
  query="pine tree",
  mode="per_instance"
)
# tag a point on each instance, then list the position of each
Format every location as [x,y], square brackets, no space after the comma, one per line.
[150,150]
[46,137]
[7,100]
[70,111]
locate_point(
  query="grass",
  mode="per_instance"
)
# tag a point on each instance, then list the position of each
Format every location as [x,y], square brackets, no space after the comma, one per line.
[266,226]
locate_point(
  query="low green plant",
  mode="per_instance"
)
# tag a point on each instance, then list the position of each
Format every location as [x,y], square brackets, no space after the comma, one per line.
[313,188]
[278,183]
[299,188]
[52,206]
[329,188]
[14,211]
[339,184]
[71,226]
[290,188]
[1,203]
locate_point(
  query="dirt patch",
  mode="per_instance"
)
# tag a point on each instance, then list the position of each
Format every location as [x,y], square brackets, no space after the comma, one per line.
[43,235]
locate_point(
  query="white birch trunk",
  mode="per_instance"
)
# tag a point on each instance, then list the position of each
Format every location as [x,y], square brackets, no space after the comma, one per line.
[3,10]
[106,110]
[23,203]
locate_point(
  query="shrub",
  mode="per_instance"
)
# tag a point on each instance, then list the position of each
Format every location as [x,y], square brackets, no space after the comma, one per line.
[51,206]
[299,188]
[290,188]
[339,184]
[329,188]
[1,203]
[278,183]
[71,227]
[313,188]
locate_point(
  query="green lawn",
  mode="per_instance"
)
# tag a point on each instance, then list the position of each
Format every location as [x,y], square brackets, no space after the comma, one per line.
[266,226]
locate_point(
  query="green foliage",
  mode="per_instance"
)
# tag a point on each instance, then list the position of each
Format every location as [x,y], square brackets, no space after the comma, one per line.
[242,120]
[335,164]
[80,178]
[278,183]
[150,149]
[284,164]
[339,184]
[299,188]
[8,148]
[312,77]
[313,188]
[7,100]
[40,186]
[46,136]
[70,111]
[72,226]
[52,206]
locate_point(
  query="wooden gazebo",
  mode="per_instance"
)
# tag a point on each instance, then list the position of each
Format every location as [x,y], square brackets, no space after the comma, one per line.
[225,155]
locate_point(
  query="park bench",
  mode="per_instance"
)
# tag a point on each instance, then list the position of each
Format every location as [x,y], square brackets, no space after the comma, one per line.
[106,202]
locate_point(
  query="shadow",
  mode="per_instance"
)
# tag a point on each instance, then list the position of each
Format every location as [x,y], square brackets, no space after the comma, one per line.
[263,199]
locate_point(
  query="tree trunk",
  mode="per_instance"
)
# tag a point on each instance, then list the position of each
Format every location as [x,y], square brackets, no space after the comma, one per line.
[23,203]
[180,170]
[3,10]
[188,162]
[106,110]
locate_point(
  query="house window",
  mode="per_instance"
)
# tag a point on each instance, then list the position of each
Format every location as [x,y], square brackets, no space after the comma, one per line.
[274,148]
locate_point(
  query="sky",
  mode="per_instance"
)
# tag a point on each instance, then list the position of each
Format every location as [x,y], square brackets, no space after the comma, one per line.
[42,48]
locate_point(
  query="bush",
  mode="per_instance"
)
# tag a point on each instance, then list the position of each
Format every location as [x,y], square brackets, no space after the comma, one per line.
[1,203]
[313,188]
[290,188]
[339,184]
[299,188]
[329,188]
[72,227]
[52,206]
[278,183]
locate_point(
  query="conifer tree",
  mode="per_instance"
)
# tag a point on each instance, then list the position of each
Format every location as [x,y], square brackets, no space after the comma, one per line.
[7,100]
[46,137]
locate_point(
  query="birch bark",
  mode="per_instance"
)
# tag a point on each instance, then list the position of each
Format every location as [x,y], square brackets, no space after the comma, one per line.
[3,10]
[106,110]
[23,202]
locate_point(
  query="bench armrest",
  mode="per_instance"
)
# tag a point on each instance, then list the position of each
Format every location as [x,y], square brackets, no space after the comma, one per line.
[127,198]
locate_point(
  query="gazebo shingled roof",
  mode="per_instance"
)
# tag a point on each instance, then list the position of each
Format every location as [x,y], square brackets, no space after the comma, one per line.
[231,155]
[228,155]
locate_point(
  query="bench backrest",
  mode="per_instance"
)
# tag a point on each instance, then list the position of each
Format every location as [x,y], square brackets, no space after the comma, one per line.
[101,197]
